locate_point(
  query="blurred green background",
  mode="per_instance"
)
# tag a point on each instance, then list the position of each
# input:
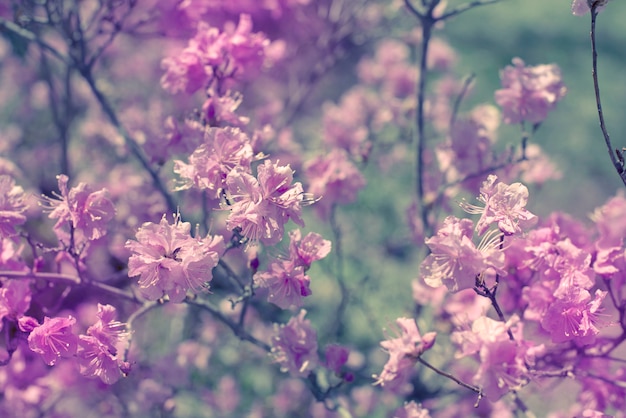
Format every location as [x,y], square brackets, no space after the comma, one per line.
[541,32]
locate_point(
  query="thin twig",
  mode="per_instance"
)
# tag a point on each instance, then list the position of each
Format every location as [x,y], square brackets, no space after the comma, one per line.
[618,164]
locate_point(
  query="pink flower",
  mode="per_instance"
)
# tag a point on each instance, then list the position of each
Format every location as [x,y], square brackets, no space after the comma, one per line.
[223,150]
[214,56]
[15,297]
[411,410]
[12,206]
[502,360]
[454,260]
[100,353]
[529,93]
[294,346]
[304,251]
[574,317]
[81,210]
[504,205]
[261,207]
[581,7]
[54,339]
[403,351]
[170,262]
[287,284]
[334,179]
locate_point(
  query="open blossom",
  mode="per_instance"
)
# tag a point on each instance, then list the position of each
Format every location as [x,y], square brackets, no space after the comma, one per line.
[15,297]
[503,362]
[411,410]
[334,179]
[504,205]
[403,351]
[170,262]
[454,259]
[12,206]
[262,206]
[87,211]
[54,339]
[223,150]
[529,93]
[100,352]
[574,317]
[294,346]
[287,284]
[304,251]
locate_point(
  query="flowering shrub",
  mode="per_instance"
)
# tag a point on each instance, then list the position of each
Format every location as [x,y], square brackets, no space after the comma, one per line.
[220,177]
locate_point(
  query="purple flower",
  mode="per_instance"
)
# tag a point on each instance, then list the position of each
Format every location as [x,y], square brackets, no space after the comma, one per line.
[403,351]
[84,211]
[223,150]
[454,259]
[170,262]
[15,297]
[504,205]
[287,284]
[261,207]
[574,317]
[12,206]
[304,251]
[334,179]
[100,352]
[294,346]
[529,93]
[54,339]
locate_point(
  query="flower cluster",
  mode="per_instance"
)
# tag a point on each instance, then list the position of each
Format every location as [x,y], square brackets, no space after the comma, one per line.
[214,56]
[99,352]
[285,279]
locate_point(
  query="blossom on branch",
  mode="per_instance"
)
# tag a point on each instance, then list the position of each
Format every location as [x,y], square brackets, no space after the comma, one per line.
[454,260]
[262,206]
[529,93]
[54,339]
[100,353]
[581,7]
[294,346]
[170,262]
[81,210]
[504,205]
[403,352]
[223,150]
[12,206]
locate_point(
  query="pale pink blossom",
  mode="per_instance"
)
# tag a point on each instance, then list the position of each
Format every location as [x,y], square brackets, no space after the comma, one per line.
[403,351]
[334,179]
[223,150]
[170,262]
[262,206]
[287,284]
[12,206]
[581,7]
[504,206]
[81,210]
[529,93]
[454,259]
